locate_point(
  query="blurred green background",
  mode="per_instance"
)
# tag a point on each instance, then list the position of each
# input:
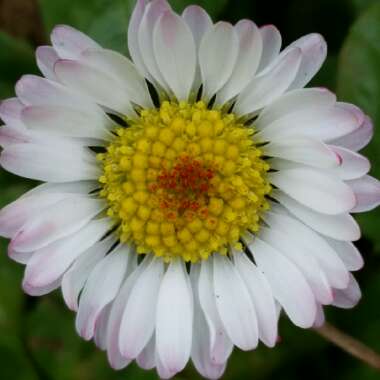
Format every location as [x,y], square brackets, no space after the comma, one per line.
[37,337]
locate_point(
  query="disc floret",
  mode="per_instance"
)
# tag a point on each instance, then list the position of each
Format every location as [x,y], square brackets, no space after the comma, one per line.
[184,181]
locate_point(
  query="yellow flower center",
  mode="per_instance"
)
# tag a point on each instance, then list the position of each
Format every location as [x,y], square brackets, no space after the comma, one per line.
[184,181]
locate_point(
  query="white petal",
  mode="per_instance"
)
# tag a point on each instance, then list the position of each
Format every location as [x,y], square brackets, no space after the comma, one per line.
[218,52]
[46,58]
[58,221]
[303,150]
[367,193]
[50,263]
[17,213]
[163,371]
[313,244]
[295,101]
[174,318]
[101,328]
[320,317]
[175,53]
[38,291]
[288,284]
[262,298]
[147,357]
[77,187]
[353,165]
[54,162]
[348,253]
[340,227]
[315,189]
[75,278]
[11,135]
[349,297]
[133,34]
[220,345]
[314,52]
[272,41]
[199,23]
[307,264]
[94,83]
[19,257]
[101,288]
[357,139]
[152,13]
[234,304]
[138,320]
[34,90]
[122,70]
[69,42]
[267,87]
[250,47]
[201,348]
[68,122]
[10,112]
[322,123]
[113,352]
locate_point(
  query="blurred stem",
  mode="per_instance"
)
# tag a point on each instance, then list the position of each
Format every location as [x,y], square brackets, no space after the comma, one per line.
[349,344]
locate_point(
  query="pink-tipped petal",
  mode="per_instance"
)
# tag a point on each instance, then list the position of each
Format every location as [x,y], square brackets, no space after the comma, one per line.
[99,86]
[40,162]
[174,318]
[69,43]
[147,357]
[75,278]
[288,284]
[153,11]
[175,54]
[59,220]
[46,58]
[201,347]
[353,165]
[262,298]
[341,226]
[10,113]
[138,321]
[234,304]
[315,189]
[250,47]
[272,41]
[220,344]
[304,151]
[219,44]
[67,122]
[266,88]
[295,101]
[349,297]
[314,52]
[312,244]
[48,264]
[100,289]
[122,70]
[133,38]
[367,193]
[357,139]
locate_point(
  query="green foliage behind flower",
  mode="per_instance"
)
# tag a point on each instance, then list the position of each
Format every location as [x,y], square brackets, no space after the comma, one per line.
[37,338]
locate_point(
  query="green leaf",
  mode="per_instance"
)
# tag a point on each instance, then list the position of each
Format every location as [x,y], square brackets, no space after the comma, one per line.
[362,5]
[104,20]
[359,83]
[17,58]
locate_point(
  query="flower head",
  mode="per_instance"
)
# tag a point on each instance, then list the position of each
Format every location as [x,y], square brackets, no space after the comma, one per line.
[191,193]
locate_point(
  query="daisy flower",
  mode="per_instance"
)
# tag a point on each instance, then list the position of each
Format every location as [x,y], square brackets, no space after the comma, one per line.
[191,193]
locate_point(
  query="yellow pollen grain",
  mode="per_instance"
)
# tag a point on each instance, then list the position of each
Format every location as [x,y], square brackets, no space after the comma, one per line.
[184,181]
